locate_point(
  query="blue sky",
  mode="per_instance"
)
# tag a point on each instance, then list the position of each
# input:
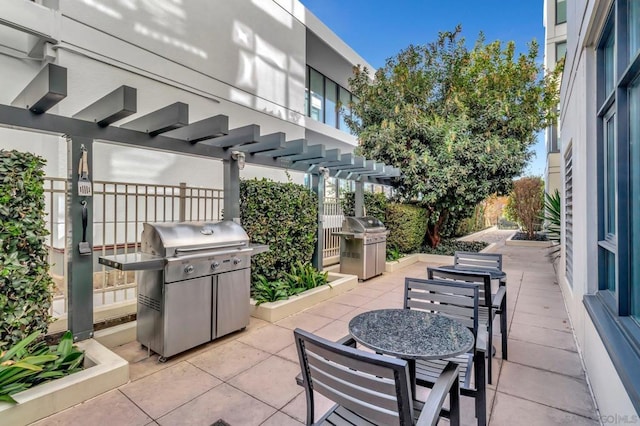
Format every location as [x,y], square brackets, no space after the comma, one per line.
[379,29]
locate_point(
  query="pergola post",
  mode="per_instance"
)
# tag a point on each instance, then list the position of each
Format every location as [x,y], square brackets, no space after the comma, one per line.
[317,185]
[231,190]
[79,266]
[359,199]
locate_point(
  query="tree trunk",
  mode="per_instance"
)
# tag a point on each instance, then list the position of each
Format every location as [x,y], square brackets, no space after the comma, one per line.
[433,231]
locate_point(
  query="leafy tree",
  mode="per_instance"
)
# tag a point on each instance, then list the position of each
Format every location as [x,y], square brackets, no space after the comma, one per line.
[458,122]
[527,202]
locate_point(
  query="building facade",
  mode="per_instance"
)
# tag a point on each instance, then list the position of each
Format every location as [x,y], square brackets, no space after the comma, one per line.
[600,161]
[555,48]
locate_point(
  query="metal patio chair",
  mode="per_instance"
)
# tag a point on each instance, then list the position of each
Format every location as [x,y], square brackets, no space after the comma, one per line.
[369,389]
[458,301]
[486,309]
[491,263]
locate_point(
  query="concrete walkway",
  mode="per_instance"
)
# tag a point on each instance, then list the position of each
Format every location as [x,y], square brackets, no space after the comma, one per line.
[248,378]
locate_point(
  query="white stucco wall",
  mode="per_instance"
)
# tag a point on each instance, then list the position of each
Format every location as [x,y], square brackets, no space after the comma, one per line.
[578,132]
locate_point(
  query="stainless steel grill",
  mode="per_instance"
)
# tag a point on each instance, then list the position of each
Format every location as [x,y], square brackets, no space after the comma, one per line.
[193,283]
[363,246]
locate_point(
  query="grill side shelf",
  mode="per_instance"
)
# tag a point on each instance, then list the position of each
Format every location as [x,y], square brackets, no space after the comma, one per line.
[133,262]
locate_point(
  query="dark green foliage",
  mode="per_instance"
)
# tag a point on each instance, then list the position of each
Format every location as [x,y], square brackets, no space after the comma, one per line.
[474,223]
[393,254]
[25,284]
[28,364]
[553,215]
[458,121]
[374,204]
[305,277]
[449,247]
[302,277]
[407,225]
[283,215]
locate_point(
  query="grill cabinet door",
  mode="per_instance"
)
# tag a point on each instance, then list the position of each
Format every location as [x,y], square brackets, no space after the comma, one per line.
[232,301]
[187,315]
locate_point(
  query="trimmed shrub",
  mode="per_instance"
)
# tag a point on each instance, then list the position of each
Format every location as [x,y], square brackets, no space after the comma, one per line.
[374,204]
[283,215]
[407,225]
[449,247]
[25,284]
[526,203]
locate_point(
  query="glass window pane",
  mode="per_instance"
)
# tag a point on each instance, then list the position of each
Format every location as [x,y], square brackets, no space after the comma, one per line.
[561,11]
[634,27]
[609,64]
[609,270]
[306,93]
[634,199]
[561,50]
[317,99]
[331,102]
[345,109]
[610,175]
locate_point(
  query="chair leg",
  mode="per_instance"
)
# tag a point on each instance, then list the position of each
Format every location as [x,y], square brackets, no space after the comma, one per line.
[489,353]
[503,328]
[481,391]
[454,404]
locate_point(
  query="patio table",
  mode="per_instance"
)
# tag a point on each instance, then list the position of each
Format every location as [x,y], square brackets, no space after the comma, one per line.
[410,335]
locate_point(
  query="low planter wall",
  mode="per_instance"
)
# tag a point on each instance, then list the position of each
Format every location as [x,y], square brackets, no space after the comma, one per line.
[104,370]
[275,311]
[527,243]
[427,258]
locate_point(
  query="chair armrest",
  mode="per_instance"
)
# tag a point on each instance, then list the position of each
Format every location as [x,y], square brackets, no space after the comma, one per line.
[482,341]
[433,405]
[499,297]
[346,340]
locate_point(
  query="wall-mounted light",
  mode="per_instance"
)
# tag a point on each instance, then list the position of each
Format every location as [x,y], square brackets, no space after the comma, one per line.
[239,157]
[324,171]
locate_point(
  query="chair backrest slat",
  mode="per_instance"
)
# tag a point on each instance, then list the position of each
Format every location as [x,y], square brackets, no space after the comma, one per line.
[456,300]
[473,260]
[373,386]
[480,279]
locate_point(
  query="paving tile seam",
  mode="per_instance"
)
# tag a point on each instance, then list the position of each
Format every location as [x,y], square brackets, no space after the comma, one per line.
[580,379]
[281,412]
[133,402]
[549,406]
[265,402]
[543,327]
[546,346]
[210,374]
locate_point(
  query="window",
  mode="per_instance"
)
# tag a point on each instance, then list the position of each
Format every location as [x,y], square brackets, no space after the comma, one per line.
[634,197]
[331,96]
[568,214]
[615,307]
[317,95]
[326,101]
[345,110]
[561,50]
[561,11]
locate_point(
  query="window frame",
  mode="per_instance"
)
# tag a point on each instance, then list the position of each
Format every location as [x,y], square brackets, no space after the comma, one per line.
[610,310]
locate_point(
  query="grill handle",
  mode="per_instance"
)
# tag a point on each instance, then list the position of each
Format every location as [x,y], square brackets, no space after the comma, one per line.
[199,249]
[216,253]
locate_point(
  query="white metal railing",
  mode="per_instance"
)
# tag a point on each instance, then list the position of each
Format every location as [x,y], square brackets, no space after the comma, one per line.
[119,210]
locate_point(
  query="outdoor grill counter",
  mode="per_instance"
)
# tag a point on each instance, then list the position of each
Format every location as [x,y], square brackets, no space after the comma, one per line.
[363,246]
[193,283]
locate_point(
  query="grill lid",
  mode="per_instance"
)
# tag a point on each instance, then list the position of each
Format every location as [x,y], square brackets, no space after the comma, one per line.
[174,239]
[366,224]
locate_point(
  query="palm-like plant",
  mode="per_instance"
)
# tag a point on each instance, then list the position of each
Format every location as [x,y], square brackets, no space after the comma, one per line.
[553,218]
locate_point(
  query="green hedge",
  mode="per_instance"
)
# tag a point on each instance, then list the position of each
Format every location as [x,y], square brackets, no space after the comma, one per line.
[283,215]
[407,225]
[374,204]
[25,284]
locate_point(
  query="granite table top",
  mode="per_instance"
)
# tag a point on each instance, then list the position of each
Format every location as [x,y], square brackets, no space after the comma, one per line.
[411,334]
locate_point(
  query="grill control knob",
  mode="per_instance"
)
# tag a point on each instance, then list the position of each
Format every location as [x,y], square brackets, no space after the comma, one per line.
[188,269]
[215,265]
[236,261]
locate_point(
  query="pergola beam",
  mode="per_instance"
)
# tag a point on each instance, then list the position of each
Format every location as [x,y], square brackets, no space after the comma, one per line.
[165,119]
[112,107]
[208,128]
[46,89]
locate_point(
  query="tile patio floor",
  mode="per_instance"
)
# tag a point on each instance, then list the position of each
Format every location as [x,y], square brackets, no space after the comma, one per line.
[248,378]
